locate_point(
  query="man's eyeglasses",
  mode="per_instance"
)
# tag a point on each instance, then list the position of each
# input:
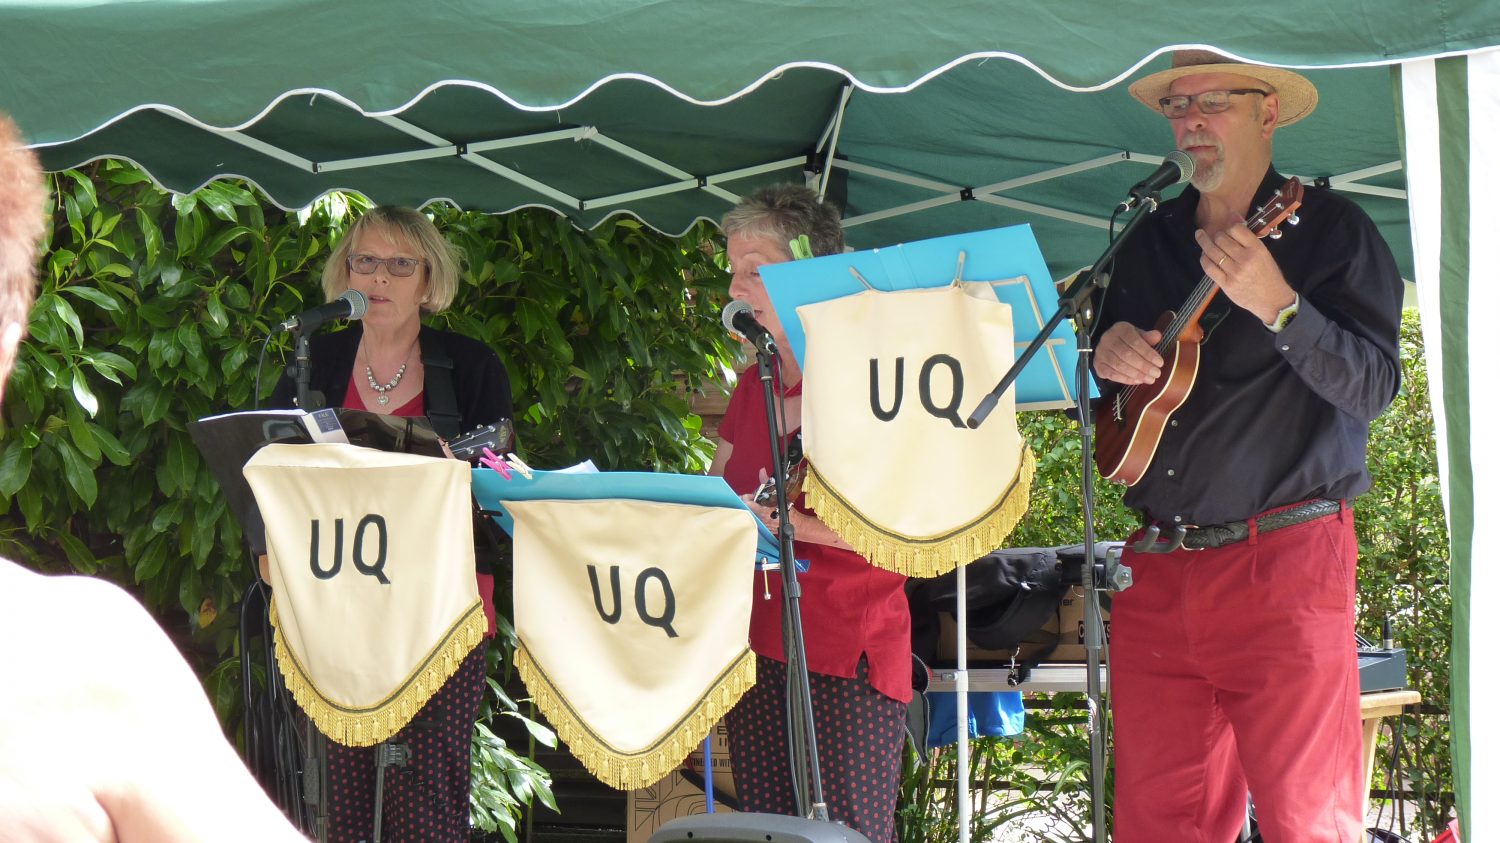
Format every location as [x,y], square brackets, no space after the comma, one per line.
[399,267]
[1209,102]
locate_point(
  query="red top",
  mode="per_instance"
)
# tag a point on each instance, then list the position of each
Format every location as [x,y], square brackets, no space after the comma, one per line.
[417,406]
[849,607]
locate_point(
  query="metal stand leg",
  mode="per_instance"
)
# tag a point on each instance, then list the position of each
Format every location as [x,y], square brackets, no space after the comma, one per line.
[386,755]
[315,780]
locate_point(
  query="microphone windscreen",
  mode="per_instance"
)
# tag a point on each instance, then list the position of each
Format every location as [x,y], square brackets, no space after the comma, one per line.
[358,304]
[732,311]
[1184,162]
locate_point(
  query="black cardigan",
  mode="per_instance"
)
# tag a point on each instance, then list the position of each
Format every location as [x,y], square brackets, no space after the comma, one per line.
[480,382]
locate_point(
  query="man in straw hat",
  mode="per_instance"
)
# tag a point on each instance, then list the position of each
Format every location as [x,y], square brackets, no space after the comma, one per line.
[105,733]
[1232,661]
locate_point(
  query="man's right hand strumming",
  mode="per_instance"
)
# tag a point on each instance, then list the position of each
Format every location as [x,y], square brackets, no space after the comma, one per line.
[1127,355]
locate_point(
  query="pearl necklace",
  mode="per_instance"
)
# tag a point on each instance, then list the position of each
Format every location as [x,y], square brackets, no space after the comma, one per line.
[381,389]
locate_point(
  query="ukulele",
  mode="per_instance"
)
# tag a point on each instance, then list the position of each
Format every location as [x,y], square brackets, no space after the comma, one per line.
[1136,416]
[498,437]
[796,472]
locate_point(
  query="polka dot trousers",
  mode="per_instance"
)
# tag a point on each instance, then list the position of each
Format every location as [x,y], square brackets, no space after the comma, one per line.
[428,799]
[860,734]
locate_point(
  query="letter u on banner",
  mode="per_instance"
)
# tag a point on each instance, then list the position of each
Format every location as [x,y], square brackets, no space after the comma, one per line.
[893,468]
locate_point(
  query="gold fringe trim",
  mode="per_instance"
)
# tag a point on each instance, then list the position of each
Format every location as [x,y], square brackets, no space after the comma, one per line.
[369,725]
[928,556]
[631,770]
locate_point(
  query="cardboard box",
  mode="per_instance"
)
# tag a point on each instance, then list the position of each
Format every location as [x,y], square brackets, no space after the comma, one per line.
[1069,619]
[647,808]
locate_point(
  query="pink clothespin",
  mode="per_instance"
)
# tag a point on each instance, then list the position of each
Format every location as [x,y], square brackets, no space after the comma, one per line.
[495,462]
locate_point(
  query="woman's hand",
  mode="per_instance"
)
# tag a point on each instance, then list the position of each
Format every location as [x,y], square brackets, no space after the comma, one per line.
[766,514]
[806,526]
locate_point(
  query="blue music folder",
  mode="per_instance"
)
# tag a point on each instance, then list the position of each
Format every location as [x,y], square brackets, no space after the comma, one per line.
[491,489]
[1008,258]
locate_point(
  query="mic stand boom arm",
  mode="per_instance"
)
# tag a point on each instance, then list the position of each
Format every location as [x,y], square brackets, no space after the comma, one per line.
[1070,304]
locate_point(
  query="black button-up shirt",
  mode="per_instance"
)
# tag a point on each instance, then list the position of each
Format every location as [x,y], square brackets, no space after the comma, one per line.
[1273,418]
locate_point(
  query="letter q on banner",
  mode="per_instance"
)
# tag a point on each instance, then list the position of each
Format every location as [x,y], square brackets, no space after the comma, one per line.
[893,468]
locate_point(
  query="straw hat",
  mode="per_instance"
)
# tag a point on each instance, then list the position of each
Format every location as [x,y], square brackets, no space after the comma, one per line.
[1298,96]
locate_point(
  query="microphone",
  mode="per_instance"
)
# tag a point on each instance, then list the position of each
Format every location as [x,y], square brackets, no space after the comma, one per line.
[739,316]
[1176,167]
[351,305]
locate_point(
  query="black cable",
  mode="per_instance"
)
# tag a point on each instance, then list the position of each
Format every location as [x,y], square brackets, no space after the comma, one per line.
[795,768]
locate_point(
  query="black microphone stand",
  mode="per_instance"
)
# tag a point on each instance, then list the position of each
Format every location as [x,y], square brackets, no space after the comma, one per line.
[307,398]
[802,738]
[1073,304]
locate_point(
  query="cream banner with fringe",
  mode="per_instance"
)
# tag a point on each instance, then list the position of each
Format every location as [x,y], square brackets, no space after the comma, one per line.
[634,620]
[374,600]
[891,378]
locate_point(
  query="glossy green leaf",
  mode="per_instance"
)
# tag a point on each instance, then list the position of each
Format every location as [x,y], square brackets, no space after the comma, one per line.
[59,308]
[95,295]
[81,435]
[15,466]
[79,555]
[152,560]
[84,395]
[109,445]
[78,472]
[84,194]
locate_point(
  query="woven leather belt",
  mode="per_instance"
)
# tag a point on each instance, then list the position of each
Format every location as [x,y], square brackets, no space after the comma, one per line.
[1218,535]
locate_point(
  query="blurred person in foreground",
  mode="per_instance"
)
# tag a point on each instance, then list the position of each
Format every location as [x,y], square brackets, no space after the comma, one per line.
[856,623]
[105,732]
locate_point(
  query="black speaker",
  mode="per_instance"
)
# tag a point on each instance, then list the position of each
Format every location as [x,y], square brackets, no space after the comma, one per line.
[753,828]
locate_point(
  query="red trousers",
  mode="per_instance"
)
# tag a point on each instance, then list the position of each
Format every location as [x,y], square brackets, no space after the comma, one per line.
[1233,670]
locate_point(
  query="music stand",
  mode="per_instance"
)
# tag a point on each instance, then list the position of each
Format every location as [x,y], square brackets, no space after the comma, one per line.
[602,514]
[289,763]
[1010,262]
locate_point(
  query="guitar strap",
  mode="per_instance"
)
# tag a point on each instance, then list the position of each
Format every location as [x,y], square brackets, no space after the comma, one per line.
[441,400]
[442,410]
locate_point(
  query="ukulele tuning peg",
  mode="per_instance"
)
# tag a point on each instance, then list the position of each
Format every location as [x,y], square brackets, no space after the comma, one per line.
[1293,219]
[1275,234]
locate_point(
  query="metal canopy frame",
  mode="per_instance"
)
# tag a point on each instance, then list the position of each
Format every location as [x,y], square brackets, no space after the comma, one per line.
[817,168]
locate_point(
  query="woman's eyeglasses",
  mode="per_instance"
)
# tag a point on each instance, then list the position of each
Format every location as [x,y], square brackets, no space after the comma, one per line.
[1209,102]
[399,267]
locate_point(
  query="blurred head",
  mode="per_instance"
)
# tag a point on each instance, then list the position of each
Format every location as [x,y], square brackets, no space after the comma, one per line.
[386,241]
[23,198]
[760,229]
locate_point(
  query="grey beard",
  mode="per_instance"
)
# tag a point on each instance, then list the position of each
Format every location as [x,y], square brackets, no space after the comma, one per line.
[1207,179]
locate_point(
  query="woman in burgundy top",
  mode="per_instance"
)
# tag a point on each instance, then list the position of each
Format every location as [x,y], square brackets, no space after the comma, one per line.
[855,619]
